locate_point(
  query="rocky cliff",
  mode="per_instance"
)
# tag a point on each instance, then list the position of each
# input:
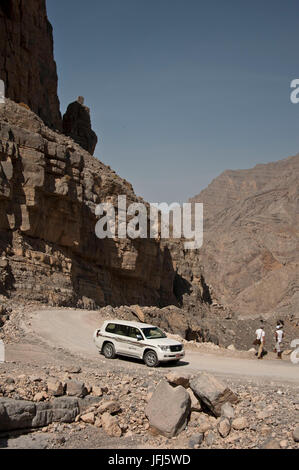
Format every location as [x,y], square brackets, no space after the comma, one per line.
[49,188]
[250,256]
[27,65]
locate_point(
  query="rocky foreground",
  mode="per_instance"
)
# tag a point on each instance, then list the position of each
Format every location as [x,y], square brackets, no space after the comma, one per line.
[51,397]
[73,406]
[50,185]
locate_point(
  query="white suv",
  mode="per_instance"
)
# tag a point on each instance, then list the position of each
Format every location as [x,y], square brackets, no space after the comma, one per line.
[138,340]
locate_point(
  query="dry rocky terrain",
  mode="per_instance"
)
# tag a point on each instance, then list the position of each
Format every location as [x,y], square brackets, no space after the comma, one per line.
[56,391]
[77,402]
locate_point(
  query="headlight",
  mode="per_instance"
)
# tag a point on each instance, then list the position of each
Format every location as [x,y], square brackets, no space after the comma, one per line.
[164,348]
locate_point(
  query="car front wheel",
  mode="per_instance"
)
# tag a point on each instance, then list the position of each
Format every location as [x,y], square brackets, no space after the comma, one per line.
[151,359]
[109,351]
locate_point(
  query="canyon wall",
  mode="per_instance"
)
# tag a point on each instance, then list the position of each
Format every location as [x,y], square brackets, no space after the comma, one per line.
[49,188]
[27,65]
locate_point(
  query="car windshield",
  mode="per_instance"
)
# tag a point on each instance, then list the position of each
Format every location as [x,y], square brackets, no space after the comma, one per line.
[153,333]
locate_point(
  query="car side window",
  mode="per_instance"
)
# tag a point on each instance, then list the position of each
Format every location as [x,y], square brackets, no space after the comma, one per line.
[122,330]
[110,328]
[133,332]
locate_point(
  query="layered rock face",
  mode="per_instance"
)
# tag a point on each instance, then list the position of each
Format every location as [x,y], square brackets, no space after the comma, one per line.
[27,66]
[49,188]
[250,256]
[77,125]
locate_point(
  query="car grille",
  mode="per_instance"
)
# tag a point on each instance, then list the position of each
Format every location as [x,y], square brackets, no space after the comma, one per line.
[176,348]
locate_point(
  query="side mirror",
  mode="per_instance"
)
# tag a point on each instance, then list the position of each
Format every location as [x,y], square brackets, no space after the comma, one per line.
[139,338]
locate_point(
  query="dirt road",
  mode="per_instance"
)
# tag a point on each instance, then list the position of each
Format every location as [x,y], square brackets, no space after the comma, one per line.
[72,331]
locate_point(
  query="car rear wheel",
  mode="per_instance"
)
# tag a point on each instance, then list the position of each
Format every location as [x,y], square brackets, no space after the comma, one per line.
[109,351]
[151,359]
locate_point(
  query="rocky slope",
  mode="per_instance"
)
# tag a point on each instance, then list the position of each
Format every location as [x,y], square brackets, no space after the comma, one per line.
[49,188]
[27,65]
[250,255]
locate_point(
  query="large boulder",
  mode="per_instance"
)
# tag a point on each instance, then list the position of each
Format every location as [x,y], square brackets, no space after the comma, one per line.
[110,425]
[21,414]
[111,407]
[65,409]
[88,418]
[55,387]
[77,125]
[168,409]
[75,388]
[16,414]
[211,392]
[179,378]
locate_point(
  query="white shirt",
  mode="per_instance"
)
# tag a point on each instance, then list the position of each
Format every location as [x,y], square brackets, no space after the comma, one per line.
[279,335]
[260,334]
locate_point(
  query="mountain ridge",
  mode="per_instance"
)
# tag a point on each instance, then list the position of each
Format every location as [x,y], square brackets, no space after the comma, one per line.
[251,221]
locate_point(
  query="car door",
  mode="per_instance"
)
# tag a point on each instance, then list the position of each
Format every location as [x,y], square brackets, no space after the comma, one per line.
[110,333]
[121,336]
[135,346]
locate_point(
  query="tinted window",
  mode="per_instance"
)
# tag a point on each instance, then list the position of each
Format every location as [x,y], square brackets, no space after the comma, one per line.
[121,330]
[133,332]
[153,333]
[110,328]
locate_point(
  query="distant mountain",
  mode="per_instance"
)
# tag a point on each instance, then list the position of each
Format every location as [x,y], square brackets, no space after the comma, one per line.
[250,255]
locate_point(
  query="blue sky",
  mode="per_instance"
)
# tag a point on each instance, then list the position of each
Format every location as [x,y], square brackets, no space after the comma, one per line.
[181,90]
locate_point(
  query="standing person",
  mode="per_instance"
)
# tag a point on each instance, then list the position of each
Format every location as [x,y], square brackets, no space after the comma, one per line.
[279,334]
[260,340]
